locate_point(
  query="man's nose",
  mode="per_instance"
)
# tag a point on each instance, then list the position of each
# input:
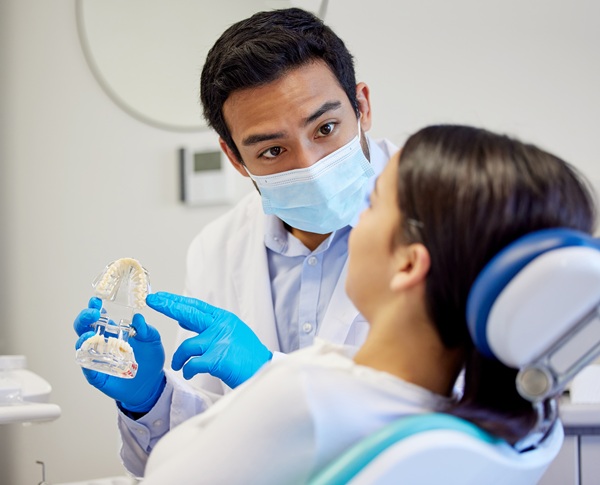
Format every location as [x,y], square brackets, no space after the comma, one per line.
[305,158]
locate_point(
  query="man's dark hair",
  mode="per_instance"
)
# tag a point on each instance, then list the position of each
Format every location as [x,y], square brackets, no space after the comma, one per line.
[261,49]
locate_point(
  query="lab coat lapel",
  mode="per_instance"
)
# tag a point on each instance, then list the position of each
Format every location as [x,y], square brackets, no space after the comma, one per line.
[340,313]
[251,281]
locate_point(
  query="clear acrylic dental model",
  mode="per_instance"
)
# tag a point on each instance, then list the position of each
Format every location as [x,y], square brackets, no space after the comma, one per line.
[122,287]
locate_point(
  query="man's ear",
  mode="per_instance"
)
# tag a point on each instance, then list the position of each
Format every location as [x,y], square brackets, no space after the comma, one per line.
[411,265]
[364,106]
[235,161]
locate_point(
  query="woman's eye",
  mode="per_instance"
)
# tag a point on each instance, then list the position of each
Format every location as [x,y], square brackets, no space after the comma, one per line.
[326,129]
[272,152]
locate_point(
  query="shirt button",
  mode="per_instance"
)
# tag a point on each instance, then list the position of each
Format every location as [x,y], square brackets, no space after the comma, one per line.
[312,260]
[158,423]
[307,327]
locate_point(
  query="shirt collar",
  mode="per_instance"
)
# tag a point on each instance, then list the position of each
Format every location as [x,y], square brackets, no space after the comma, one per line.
[281,241]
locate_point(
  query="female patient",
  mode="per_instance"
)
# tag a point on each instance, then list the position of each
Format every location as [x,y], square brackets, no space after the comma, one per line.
[445,205]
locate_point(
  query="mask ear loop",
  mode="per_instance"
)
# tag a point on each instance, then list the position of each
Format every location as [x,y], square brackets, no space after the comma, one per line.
[251,178]
[247,171]
[366,148]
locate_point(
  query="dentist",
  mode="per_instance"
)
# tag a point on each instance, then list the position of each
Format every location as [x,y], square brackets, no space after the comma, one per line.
[279,89]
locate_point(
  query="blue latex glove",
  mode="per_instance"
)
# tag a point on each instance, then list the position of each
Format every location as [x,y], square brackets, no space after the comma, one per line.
[140,393]
[225,347]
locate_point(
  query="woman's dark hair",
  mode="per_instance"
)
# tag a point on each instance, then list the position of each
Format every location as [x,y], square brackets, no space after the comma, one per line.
[261,49]
[466,193]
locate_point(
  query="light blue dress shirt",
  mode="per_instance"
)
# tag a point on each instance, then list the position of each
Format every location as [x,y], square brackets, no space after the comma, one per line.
[302,281]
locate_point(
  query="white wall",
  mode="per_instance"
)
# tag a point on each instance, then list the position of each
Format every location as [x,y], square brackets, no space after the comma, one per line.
[530,68]
[83,183]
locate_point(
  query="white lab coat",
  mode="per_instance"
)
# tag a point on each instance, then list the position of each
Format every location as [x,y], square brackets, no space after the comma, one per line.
[227,267]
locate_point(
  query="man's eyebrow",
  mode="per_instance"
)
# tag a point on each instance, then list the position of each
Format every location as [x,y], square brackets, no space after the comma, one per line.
[260,137]
[325,107]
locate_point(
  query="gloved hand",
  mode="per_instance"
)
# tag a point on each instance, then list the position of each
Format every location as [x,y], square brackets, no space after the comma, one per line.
[140,393]
[225,347]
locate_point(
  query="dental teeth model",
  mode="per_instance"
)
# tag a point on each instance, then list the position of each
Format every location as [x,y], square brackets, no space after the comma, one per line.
[123,287]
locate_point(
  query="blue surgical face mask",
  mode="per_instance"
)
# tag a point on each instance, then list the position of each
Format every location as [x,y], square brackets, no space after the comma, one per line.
[323,197]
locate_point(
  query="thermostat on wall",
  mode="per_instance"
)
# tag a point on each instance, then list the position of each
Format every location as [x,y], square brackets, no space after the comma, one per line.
[203,177]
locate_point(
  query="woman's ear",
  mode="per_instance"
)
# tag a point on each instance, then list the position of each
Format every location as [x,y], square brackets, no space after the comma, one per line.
[411,265]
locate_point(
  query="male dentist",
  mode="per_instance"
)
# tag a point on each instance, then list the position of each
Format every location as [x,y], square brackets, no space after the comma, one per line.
[267,277]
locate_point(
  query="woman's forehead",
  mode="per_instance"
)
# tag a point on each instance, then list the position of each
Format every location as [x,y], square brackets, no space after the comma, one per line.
[387,179]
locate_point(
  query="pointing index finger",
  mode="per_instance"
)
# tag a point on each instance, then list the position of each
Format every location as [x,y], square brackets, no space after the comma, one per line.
[190,316]
[186,300]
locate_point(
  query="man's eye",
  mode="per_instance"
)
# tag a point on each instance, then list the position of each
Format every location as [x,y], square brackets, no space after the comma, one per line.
[272,152]
[327,129]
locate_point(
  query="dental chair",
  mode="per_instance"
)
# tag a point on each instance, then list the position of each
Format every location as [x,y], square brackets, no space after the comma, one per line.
[534,307]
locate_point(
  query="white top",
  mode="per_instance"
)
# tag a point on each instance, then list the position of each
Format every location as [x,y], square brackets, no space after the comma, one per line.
[286,423]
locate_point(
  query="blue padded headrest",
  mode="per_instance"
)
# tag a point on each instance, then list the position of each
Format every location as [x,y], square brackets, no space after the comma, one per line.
[504,266]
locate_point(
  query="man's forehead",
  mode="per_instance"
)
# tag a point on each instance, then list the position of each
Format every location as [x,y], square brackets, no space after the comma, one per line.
[389,174]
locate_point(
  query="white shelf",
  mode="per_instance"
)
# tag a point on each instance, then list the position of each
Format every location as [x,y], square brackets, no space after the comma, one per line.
[29,412]
[24,395]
